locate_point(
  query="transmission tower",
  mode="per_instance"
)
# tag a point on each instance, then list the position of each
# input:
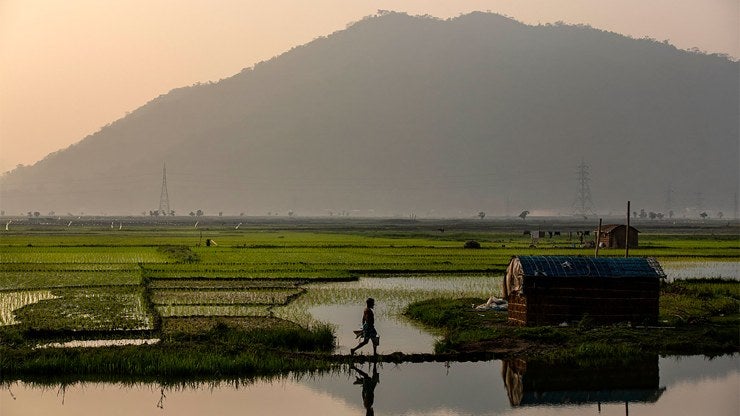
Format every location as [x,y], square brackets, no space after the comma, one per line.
[164,199]
[583,205]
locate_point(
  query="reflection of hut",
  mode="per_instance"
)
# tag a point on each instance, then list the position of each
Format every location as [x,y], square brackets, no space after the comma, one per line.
[535,383]
[545,290]
[613,236]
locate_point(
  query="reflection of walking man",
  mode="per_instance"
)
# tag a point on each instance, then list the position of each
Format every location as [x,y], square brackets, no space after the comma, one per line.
[368,388]
[368,328]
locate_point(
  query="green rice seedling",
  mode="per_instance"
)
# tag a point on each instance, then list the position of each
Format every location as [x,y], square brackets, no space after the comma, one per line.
[224,284]
[167,311]
[202,324]
[11,301]
[88,309]
[15,280]
[76,255]
[223,297]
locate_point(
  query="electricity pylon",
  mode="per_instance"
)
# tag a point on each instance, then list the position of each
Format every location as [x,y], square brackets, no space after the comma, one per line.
[583,205]
[164,198]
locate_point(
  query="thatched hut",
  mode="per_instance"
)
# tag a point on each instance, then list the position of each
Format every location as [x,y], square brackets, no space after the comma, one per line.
[614,236]
[544,290]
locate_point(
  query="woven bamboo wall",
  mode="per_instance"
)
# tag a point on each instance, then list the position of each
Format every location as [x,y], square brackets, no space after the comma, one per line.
[548,301]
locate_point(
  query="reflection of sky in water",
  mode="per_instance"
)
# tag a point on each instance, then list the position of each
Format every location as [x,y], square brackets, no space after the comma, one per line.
[341,304]
[701,269]
[694,385]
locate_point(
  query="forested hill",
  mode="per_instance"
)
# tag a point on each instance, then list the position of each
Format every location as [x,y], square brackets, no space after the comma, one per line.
[401,115]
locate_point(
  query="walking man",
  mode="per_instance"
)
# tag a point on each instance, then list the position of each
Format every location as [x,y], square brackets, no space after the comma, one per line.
[368,328]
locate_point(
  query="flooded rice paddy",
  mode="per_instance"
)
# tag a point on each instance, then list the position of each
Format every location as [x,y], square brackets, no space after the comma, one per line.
[668,385]
[701,269]
[11,301]
[665,385]
[341,304]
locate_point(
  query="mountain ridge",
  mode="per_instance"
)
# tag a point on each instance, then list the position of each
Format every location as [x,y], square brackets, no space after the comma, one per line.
[400,114]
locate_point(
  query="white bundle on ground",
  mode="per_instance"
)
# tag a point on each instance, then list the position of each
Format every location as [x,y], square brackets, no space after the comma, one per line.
[494,304]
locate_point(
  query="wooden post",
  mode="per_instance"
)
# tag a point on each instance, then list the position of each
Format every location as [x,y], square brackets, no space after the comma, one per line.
[627,233]
[598,239]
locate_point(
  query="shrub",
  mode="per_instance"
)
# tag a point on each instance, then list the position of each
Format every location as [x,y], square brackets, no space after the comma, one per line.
[471,244]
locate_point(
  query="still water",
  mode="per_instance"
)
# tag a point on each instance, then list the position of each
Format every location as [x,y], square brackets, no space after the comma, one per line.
[341,304]
[676,386]
[701,269]
[667,386]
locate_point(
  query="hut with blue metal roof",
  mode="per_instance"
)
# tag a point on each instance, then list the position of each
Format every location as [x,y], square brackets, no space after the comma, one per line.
[546,290]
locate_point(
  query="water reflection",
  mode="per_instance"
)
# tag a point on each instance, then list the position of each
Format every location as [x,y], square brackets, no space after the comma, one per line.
[532,383]
[689,385]
[368,384]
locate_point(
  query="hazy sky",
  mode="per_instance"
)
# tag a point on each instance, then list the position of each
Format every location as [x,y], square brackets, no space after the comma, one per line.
[68,67]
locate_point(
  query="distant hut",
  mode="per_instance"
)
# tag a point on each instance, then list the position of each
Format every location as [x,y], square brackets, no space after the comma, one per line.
[613,236]
[544,290]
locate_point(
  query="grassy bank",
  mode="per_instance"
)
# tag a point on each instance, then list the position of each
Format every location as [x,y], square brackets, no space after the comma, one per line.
[697,317]
[189,348]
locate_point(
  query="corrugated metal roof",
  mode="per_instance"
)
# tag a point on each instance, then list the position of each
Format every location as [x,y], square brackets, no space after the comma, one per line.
[575,266]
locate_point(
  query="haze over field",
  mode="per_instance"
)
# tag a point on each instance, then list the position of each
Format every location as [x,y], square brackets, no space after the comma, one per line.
[398,115]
